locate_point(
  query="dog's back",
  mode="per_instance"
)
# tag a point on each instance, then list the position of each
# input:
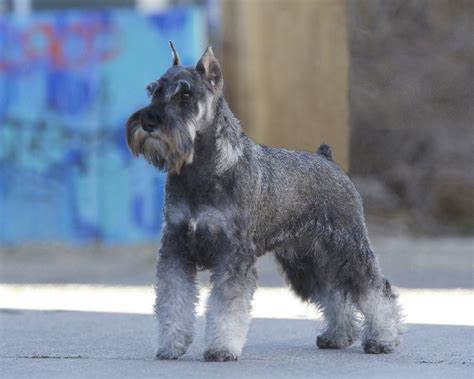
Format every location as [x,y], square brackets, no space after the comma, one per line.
[297,187]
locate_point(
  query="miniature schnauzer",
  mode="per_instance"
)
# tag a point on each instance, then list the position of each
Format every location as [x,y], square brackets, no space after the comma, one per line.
[229,200]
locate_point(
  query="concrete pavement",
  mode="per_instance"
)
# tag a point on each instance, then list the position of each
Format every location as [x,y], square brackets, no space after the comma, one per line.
[104,344]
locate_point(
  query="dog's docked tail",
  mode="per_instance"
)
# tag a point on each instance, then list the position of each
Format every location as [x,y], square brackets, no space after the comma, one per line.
[325,151]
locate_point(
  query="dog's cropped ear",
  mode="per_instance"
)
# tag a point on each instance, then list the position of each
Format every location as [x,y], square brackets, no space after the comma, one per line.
[174,54]
[210,70]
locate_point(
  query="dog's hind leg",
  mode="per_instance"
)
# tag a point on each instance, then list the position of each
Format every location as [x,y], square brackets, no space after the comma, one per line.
[382,313]
[308,281]
[342,323]
[358,274]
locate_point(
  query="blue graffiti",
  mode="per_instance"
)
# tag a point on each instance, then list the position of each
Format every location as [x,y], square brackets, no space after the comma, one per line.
[70,93]
[68,82]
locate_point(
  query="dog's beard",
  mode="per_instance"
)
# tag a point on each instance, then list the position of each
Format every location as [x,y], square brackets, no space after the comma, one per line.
[166,148]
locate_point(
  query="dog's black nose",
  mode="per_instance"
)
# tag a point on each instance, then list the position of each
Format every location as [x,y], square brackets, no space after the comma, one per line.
[150,121]
[148,127]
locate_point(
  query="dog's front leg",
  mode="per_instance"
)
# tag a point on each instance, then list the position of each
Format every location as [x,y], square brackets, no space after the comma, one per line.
[176,296]
[228,317]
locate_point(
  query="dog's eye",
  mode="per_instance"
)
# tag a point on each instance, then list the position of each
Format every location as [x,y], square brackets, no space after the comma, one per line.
[185,94]
[183,90]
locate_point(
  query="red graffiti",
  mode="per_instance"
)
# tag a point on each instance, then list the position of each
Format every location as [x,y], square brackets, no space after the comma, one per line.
[67,47]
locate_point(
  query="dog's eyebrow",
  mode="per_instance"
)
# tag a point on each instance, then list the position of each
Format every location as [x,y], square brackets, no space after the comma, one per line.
[152,87]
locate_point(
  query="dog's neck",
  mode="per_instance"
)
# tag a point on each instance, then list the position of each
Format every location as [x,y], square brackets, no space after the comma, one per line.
[220,144]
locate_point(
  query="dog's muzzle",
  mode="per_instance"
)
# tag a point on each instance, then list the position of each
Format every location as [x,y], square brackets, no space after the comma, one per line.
[150,121]
[167,147]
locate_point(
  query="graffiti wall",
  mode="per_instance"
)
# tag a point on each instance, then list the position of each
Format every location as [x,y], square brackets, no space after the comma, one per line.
[68,82]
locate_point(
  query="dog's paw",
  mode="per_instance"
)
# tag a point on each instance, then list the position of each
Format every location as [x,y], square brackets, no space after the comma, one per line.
[324,342]
[220,356]
[169,354]
[374,347]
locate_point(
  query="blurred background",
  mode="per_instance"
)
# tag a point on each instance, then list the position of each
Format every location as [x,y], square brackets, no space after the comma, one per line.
[388,84]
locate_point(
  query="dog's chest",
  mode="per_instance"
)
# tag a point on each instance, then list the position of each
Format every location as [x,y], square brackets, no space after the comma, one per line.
[206,232]
[200,188]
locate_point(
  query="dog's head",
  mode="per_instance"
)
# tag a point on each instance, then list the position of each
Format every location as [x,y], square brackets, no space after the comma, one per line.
[182,103]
